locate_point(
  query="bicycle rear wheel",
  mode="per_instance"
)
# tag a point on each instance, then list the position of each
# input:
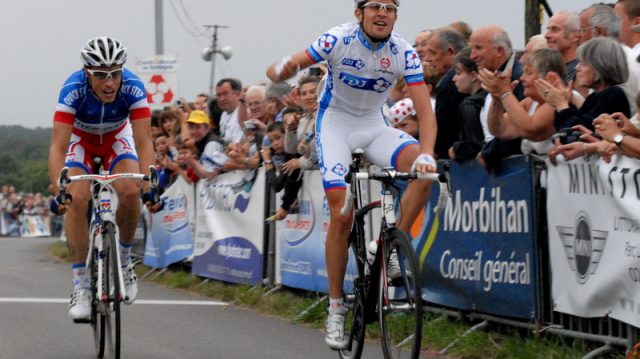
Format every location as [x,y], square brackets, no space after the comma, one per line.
[97,308]
[354,320]
[400,298]
[113,328]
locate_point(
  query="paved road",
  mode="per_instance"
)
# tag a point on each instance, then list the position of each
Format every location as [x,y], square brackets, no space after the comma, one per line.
[34,291]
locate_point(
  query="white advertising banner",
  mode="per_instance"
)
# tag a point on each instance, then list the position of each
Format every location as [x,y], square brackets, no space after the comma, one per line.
[169,236]
[593,213]
[35,226]
[160,76]
[230,227]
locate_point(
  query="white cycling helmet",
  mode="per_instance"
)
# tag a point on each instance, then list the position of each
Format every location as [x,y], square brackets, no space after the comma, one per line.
[361,2]
[103,51]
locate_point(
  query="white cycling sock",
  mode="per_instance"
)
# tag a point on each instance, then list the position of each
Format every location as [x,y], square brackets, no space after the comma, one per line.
[81,277]
[335,306]
[125,253]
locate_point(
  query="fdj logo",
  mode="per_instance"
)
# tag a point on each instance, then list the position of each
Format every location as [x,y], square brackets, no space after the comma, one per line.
[583,246]
[412,60]
[358,64]
[327,42]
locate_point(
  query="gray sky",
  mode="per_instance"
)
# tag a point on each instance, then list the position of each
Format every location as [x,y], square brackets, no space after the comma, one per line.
[41,39]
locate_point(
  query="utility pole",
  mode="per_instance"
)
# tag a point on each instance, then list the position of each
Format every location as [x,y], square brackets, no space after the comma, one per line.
[214,49]
[159,27]
[533,17]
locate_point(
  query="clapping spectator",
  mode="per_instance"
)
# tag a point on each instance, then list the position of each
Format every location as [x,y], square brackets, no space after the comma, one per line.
[602,67]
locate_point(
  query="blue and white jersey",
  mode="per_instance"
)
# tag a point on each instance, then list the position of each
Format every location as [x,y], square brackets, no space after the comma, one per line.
[79,106]
[359,76]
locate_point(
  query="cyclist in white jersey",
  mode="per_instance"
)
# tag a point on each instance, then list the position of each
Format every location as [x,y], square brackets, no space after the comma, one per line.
[364,60]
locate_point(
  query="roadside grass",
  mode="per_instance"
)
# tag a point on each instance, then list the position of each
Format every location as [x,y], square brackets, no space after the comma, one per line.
[438,331]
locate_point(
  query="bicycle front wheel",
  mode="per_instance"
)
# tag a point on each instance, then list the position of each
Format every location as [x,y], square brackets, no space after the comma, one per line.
[97,308]
[355,323]
[113,287]
[400,298]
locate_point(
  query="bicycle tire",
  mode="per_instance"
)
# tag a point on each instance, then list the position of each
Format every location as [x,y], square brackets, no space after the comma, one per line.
[97,309]
[115,297]
[400,298]
[355,321]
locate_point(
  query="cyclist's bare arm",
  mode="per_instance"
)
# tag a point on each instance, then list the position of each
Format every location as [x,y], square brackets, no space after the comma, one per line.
[144,145]
[427,125]
[282,70]
[60,137]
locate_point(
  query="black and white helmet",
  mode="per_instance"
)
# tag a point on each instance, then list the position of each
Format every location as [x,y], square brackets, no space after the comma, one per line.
[359,3]
[103,51]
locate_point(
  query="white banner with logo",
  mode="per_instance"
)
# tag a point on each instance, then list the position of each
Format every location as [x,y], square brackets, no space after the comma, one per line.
[593,212]
[160,76]
[169,237]
[35,226]
[230,227]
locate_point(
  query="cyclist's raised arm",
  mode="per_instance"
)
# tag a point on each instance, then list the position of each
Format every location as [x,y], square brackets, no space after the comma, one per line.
[289,66]
[60,137]
[428,127]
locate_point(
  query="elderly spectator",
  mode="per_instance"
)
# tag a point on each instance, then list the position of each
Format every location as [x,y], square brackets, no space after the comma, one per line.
[228,93]
[602,67]
[443,45]
[472,133]
[274,105]
[563,34]
[629,13]
[601,20]
[531,118]
[492,52]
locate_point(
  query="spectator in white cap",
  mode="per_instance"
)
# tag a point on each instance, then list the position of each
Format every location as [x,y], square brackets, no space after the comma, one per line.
[402,116]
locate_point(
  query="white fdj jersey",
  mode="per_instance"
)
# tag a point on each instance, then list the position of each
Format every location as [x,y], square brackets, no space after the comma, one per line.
[359,76]
[350,110]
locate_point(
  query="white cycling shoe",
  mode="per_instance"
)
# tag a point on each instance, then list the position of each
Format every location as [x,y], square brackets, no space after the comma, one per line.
[80,305]
[130,283]
[334,334]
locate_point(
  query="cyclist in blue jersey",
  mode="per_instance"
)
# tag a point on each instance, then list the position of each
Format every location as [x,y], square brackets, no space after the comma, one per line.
[364,58]
[101,110]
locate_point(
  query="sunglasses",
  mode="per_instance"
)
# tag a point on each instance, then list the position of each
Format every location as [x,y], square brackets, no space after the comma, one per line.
[376,6]
[105,75]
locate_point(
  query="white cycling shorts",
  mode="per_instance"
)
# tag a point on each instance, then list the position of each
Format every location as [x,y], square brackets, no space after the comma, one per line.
[339,133]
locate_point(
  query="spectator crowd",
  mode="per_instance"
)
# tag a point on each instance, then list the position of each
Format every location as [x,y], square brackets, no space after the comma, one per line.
[572,91]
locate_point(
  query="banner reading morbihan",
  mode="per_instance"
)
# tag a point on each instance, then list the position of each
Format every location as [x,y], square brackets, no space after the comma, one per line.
[480,252]
[160,76]
[169,237]
[230,227]
[594,237]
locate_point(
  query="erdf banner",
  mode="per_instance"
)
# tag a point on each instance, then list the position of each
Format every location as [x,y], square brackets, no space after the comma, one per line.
[160,76]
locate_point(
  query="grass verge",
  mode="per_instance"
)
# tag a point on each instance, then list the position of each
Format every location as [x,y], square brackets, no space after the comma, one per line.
[438,331]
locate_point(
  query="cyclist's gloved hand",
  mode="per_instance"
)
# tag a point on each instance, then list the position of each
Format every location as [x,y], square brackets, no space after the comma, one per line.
[153,206]
[58,206]
[424,163]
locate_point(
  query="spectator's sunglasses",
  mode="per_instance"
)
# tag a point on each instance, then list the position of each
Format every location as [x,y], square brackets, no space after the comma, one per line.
[105,75]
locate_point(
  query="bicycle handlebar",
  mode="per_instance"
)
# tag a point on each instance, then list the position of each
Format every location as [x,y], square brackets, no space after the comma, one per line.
[442,179]
[65,179]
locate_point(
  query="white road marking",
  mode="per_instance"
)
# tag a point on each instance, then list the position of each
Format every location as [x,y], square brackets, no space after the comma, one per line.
[139,301]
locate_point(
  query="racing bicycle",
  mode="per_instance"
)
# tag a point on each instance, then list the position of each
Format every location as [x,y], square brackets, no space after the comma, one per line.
[386,287]
[103,256]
